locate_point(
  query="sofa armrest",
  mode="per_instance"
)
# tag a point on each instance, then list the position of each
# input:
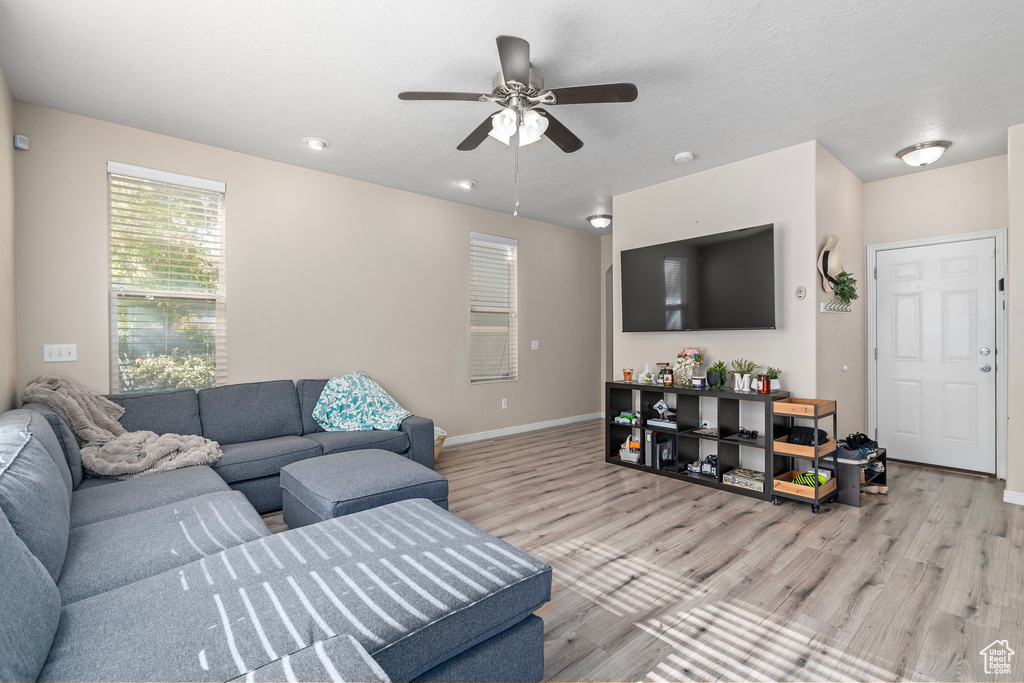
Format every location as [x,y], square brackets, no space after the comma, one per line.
[421,439]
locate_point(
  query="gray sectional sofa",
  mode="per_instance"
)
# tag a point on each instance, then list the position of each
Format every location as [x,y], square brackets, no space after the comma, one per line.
[261,427]
[174,576]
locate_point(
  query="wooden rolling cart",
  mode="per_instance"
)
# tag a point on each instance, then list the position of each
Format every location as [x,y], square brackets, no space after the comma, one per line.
[813,410]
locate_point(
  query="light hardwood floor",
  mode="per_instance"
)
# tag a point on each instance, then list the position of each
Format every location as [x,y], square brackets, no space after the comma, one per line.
[657,579]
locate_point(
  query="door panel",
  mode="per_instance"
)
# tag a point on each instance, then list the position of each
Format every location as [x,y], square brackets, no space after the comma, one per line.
[935,311]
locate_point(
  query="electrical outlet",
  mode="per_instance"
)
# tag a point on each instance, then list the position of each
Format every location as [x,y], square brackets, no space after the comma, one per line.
[534,345]
[60,353]
[504,403]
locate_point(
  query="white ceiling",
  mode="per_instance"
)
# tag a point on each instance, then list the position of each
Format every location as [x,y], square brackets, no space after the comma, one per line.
[726,79]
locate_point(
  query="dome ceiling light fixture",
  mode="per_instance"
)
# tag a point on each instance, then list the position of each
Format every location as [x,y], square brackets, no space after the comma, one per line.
[600,221]
[683,157]
[923,153]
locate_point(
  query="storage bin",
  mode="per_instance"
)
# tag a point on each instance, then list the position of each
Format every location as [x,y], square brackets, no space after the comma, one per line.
[784,483]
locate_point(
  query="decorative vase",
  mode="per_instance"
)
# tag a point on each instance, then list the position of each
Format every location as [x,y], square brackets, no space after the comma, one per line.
[685,378]
[712,380]
[776,385]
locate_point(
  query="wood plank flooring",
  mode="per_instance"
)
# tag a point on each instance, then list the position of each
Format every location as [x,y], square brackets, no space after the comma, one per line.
[658,579]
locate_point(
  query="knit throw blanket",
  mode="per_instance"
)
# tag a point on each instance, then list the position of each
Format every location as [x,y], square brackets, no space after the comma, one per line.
[110,450]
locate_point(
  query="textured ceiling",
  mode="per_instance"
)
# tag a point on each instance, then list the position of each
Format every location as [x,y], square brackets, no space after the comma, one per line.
[726,79]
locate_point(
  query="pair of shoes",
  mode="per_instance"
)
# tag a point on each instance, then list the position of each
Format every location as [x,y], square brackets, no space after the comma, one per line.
[874,489]
[875,466]
[861,440]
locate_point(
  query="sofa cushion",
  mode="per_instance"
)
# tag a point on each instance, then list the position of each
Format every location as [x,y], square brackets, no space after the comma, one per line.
[38,426]
[116,552]
[34,498]
[97,503]
[67,439]
[344,483]
[309,391]
[340,658]
[29,609]
[411,583]
[250,412]
[163,412]
[255,459]
[339,442]
[264,493]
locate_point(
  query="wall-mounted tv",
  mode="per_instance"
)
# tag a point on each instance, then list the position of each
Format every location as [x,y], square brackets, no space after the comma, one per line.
[724,281]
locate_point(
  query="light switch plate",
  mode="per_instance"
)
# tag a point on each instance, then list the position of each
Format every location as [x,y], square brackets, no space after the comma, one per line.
[60,353]
[534,345]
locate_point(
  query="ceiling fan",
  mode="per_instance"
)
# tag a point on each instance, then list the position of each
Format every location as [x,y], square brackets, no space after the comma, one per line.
[519,90]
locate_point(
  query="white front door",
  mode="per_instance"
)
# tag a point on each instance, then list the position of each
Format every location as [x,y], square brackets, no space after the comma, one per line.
[936,370]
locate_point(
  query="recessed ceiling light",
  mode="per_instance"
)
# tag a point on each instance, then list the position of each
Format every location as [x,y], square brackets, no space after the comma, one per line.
[600,221]
[924,153]
[315,143]
[466,184]
[683,157]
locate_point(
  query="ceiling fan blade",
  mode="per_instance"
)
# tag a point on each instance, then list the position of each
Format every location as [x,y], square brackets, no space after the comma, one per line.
[595,94]
[514,54]
[455,96]
[477,136]
[560,135]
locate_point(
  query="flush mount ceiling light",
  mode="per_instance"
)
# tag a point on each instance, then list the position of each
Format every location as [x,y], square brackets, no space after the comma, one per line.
[683,157]
[924,153]
[315,143]
[466,184]
[600,221]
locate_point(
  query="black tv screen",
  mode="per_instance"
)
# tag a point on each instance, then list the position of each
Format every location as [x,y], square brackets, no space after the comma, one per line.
[713,282]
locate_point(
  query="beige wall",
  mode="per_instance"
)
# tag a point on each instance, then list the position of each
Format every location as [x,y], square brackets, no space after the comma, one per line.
[842,337]
[970,197]
[1015,330]
[8,322]
[607,343]
[774,188]
[325,275]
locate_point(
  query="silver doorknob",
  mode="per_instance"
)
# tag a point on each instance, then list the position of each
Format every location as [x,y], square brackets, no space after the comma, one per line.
[985,368]
[985,351]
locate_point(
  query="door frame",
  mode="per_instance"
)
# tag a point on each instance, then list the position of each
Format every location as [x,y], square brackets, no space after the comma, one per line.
[1000,341]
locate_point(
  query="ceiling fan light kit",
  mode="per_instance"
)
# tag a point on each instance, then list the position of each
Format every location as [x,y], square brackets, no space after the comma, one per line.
[519,90]
[923,153]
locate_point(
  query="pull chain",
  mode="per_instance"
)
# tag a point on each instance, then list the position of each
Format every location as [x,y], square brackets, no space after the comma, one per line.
[515,212]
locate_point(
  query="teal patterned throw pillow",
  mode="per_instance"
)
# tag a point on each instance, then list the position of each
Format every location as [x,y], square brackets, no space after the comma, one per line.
[355,403]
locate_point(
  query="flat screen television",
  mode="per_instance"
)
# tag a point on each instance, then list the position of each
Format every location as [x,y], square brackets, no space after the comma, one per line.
[724,281]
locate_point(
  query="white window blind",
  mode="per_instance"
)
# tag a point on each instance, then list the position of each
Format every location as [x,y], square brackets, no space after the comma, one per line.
[167,310]
[493,337]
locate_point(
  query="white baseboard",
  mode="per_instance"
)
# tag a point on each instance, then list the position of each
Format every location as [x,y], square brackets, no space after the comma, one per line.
[1013,497]
[480,436]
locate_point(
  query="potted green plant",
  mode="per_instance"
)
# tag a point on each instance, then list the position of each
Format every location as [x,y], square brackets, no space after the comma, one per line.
[741,371]
[773,375]
[717,375]
[845,287]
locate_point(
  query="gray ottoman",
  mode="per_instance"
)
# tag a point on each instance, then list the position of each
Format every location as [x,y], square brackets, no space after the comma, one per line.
[342,483]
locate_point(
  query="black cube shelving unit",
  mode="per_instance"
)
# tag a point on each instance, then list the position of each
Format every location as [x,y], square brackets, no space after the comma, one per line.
[619,397]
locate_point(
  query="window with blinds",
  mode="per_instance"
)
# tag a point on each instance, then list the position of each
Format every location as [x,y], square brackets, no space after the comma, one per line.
[167,317]
[493,337]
